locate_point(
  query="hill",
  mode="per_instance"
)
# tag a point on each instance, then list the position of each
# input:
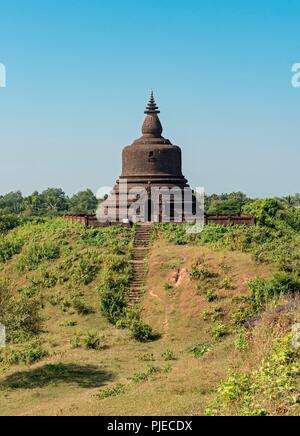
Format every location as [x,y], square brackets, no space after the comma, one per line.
[221,306]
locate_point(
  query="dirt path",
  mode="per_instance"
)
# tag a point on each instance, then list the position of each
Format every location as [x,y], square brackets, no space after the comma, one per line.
[166,321]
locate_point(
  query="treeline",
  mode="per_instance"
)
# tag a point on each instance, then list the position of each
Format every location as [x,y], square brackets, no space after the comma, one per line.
[232,204]
[51,202]
[55,202]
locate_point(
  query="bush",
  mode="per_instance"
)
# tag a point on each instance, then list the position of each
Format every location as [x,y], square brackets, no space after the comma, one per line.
[9,222]
[47,279]
[262,391]
[82,268]
[89,341]
[202,273]
[69,323]
[92,341]
[200,350]
[35,254]
[263,290]
[26,354]
[9,248]
[145,375]
[213,315]
[265,210]
[79,304]
[148,357]
[19,314]
[112,391]
[168,355]
[219,331]
[242,343]
[141,332]
[211,296]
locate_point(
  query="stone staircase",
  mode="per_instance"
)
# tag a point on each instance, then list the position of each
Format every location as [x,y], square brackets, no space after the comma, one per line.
[140,252]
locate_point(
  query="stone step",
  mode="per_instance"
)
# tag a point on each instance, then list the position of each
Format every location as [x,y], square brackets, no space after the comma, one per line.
[141,250]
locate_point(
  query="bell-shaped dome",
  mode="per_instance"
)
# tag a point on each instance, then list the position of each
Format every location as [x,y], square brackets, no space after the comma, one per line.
[152,156]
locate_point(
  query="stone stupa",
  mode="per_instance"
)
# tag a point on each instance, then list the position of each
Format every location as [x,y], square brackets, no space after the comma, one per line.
[150,162]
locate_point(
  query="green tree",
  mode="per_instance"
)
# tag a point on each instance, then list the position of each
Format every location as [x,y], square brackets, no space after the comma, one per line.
[227,207]
[84,202]
[265,210]
[11,203]
[229,204]
[54,201]
[34,205]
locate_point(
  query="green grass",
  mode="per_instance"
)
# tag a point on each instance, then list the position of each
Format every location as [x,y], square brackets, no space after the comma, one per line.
[84,352]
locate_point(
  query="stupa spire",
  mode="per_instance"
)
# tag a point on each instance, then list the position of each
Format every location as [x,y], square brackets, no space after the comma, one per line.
[152,107]
[152,126]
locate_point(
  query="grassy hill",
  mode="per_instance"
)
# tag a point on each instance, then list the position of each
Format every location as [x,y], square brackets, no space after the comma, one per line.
[67,354]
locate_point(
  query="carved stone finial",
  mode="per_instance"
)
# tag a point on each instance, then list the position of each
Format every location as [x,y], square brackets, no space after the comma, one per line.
[152,125]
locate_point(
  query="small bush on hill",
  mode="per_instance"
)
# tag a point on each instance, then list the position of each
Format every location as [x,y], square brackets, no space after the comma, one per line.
[20,315]
[200,350]
[112,391]
[9,222]
[35,254]
[219,331]
[25,354]
[272,389]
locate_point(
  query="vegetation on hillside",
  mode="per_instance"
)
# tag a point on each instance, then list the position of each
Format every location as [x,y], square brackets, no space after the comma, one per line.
[51,202]
[54,202]
[272,388]
[223,301]
[51,262]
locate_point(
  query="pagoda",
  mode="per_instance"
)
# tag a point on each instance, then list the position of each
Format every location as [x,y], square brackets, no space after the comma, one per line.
[151,167]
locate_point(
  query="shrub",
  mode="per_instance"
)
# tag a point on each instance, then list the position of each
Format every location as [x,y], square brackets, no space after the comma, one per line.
[167,287]
[264,290]
[80,305]
[200,350]
[9,222]
[35,254]
[262,391]
[113,288]
[69,323]
[227,284]
[113,304]
[19,314]
[26,354]
[265,210]
[219,331]
[211,296]
[9,248]
[148,357]
[83,268]
[92,341]
[168,355]
[242,343]
[141,332]
[112,391]
[145,375]
[167,368]
[234,387]
[213,315]
[75,341]
[89,341]
[47,279]
[202,273]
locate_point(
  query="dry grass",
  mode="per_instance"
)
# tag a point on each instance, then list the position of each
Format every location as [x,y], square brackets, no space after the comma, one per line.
[69,388]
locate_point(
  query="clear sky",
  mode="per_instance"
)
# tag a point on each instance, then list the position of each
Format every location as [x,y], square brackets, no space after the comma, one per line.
[79,74]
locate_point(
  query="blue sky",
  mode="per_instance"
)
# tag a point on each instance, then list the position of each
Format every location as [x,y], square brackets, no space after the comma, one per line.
[79,74]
